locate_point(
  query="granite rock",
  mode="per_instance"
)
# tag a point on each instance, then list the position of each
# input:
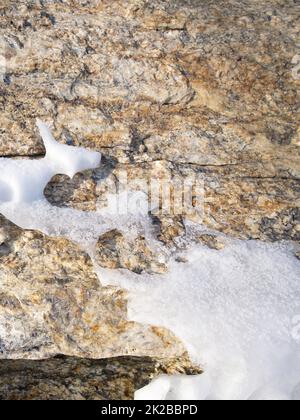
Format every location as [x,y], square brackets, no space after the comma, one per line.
[71,378]
[207,87]
[51,302]
[211,241]
[168,91]
[232,202]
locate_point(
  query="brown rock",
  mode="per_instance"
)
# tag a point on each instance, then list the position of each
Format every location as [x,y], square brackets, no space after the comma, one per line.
[164,90]
[70,378]
[211,241]
[203,89]
[236,201]
[78,192]
[225,80]
[253,208]
[170,228]
[51,302]
[115,251]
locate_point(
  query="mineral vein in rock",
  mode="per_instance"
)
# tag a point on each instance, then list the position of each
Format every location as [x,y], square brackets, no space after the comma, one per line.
[25,180]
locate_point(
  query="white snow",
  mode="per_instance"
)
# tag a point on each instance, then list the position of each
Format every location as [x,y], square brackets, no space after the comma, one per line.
[23,180]
[234,309]
[82,227]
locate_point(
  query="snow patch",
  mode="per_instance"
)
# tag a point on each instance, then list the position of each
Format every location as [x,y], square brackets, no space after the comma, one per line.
[23,180]
[233,310]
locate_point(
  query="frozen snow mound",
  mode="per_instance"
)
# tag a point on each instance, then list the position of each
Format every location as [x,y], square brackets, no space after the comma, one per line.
[236,310]
[24,180]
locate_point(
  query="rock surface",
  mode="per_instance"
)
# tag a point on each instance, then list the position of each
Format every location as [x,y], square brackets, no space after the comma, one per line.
[211,241]
[115,252]
[70,378]
[202,87]
[51,302]
[169,91]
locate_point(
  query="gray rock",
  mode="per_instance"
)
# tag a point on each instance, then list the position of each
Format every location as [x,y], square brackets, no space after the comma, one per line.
[51,302]
[114,251]
[71,378]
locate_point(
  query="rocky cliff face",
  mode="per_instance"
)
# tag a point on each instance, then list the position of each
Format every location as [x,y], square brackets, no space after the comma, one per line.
[165,90]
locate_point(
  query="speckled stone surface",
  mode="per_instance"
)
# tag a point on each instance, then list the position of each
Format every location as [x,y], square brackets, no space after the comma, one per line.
[165,90]
[209,87]
[70,378]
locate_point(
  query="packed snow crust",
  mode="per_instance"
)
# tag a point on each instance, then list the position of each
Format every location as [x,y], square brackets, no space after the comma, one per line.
[236,310]
[23,180]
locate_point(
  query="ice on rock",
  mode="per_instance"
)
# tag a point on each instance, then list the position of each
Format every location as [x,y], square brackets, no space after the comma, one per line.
[23,180]
[156,390]
[22,184]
